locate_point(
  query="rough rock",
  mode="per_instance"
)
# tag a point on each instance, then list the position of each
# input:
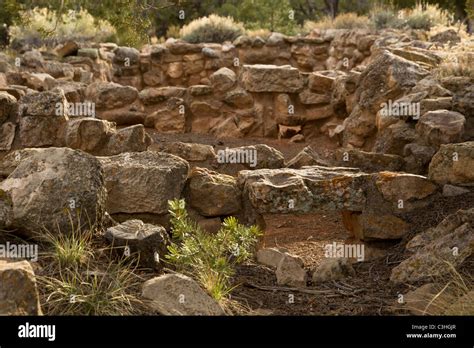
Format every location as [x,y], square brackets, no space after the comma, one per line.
[51,187]
[332,269]
[192,152]
[441,127]
[7,106]
[271,257]
[18,291]
[7,135]
[110,95]
[453,164]
[88,134]
[290,271]
[438,249]
[143,182]
[222,195]
[271,78]
[177,294]
[43,115]
[223,79]
[368,161]
[401,186]
[149,241]
[306,157]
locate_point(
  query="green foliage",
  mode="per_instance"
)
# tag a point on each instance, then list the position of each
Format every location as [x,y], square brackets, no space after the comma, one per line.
[211,259]
[212,29]
[274,15]
[41,23]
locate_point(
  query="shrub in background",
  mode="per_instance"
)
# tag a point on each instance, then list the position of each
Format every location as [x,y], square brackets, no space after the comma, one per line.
[343,21]
[212,29]
[42,24]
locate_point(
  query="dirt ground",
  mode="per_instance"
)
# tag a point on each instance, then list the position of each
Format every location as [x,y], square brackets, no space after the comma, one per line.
[369,292]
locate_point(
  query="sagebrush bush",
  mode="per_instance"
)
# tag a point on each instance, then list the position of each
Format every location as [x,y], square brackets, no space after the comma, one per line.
[41,24]
[208,258]
[382,18]
[419,17]
[212,29]
[342,21]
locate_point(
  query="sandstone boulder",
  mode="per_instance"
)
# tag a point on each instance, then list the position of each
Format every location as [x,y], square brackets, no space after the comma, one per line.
[223,196]
[441,127]
[143,182]
[18,291]
[453,164]
[52,187]
[177,294]
[271,78]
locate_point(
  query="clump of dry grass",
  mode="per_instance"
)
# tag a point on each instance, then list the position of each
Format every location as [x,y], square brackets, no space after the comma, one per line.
[81,277]
[458,61]
[343,21]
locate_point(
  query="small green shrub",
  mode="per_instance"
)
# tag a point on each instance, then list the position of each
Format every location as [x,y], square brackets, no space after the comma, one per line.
[212,29]
[210,259]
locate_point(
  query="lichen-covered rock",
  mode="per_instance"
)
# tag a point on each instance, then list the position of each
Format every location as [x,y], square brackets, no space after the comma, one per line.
[52,187]
[143,182]
[43,117]
[302,190]
[223,79]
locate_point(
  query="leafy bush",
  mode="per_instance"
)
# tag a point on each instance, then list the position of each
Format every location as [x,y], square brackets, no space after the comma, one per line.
[211,259]
[212,29]
[343,21]
[41,23]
